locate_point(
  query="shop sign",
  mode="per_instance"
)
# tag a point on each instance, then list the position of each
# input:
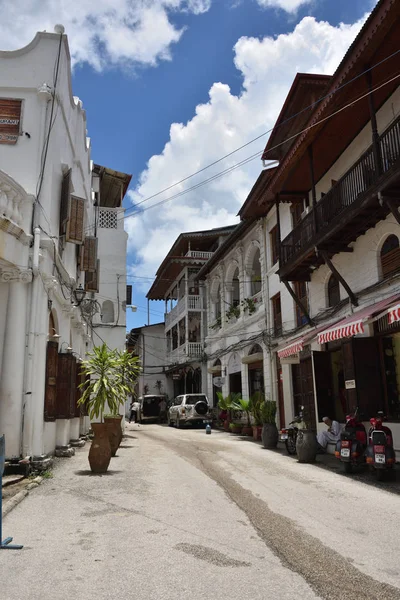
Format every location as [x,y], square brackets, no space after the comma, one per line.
[176,376]
[350,384]
[218,381]
[10,118]
[293,359]
[235,364]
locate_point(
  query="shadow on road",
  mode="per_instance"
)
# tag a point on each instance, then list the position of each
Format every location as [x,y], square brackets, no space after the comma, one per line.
[89,473]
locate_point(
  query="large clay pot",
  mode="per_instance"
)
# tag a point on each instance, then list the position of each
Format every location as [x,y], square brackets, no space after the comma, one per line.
[306,446]
[114,432]
[257,432]
[247,430]
[226,425]
[270,435]
[100,451]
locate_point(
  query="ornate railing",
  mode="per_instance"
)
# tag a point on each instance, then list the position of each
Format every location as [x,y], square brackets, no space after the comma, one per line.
[195,349]
[187,303]
[199,254]
[351,187]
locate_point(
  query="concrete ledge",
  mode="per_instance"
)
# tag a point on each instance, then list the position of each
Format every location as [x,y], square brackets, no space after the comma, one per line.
[65,451]
[77,443]
[15,500]
[41,463]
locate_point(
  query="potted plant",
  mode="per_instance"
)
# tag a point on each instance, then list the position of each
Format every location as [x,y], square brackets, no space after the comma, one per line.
[225,404]
[235,427]
[256,402]
[105,388]
[127,369]
[244,406]
[269,431]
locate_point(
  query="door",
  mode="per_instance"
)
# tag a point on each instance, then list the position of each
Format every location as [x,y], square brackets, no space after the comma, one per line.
[368,376]
[66,386]
[303,390]
[50,394]
[323,385]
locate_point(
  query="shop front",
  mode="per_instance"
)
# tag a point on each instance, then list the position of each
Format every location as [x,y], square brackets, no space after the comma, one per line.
[255,365]
[235,374]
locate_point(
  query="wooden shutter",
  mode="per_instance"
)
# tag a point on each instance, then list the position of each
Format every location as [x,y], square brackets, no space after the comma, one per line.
[89,254]
[65,198]
[277,314]
[66,386]
[10,120]
[74,232]
[390,262]
[128,295]
[50,395]
[92,279]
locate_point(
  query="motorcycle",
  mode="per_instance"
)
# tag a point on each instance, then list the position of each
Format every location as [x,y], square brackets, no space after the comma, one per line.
[289,435]
[380,453]
[350,449]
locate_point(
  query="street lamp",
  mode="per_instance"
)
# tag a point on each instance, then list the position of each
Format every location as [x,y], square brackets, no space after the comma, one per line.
[79,294]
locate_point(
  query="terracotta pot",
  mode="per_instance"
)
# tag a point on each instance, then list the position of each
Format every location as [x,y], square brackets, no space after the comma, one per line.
[100,451]
[257,432]
[247,430]
[270,435]
[114,432]
[226,425]
[306,446]
[236,429]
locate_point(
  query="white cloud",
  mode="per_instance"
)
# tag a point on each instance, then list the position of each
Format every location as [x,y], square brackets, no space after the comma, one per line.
[102,33]
[288,5]
[226,121]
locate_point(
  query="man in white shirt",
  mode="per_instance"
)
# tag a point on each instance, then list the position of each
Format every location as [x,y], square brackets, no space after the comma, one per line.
[332,435]
[135,412]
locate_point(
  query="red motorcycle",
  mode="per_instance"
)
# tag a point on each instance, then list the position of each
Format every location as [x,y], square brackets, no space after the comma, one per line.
[380,453]
[350,449]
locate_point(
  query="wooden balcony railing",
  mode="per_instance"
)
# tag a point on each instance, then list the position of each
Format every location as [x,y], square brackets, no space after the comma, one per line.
[354,184]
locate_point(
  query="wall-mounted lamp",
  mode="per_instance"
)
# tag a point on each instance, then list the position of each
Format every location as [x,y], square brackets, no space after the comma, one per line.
[68,348]
[54,336]
[79,294]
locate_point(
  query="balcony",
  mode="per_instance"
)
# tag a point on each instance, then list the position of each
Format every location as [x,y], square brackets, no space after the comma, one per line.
[185,352]
[199,255]
[111,218]
[347,211]
[177,313]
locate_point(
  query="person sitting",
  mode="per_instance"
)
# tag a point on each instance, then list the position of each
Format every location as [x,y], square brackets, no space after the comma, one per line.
[331,435]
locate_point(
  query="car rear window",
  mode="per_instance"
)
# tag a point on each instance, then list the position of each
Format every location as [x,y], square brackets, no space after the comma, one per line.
[195,399]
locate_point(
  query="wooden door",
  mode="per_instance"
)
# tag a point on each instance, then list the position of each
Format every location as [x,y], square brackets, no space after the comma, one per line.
[50,393]
[368,376]
[303,390]
[66,386]
[323,385]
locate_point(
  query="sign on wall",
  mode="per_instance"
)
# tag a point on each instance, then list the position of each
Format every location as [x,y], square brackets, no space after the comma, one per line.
[218,381]
[10,120]
[234,364]
[293,359]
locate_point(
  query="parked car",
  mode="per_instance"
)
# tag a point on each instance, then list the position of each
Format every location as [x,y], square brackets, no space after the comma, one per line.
[189,408]
[150,406]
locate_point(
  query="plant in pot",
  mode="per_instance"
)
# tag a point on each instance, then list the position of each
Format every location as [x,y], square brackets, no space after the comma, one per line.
[269,431]
[225,405]
[127,370]
[256,402]
[235,427]
[244,406]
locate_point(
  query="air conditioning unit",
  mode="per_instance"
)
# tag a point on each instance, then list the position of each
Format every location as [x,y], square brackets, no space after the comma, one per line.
[305,212]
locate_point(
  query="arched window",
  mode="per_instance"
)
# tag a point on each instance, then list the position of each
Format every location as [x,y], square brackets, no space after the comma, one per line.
[333,291]
[235,289]
[390,256]
[256,274]
[217,303]
[107,312]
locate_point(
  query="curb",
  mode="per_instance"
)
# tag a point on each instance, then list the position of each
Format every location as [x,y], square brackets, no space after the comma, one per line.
[13,502]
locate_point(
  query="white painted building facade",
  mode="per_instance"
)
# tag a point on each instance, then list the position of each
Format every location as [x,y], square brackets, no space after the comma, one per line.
[149,344]
[47,209]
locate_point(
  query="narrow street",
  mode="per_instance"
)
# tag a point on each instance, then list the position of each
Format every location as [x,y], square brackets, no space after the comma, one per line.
[185,515]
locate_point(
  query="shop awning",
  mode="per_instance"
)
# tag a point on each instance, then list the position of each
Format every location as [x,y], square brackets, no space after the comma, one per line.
[298,344]
[394,314]
[354,324]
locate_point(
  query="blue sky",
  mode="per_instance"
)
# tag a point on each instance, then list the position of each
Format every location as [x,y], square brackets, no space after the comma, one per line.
[218,68]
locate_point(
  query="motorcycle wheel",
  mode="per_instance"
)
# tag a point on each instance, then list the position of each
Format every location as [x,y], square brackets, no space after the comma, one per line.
[290,444]
[380,474]
[348,468]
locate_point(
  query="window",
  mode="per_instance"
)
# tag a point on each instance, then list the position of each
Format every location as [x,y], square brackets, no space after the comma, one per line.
[235,289]
[296,209]
[300,289]
[277,314]
[333,291]
[256,274]
[390,256]
[273,235]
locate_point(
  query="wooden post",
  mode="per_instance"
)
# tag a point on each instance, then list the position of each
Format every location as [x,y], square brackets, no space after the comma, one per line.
[374,126]
[338,277]
[298,301]
[313,192]
[278,227]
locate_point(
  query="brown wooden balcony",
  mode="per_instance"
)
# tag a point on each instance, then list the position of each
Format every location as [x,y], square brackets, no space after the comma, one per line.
[347,211]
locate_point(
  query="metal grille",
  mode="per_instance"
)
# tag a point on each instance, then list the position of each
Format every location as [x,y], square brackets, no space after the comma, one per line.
[107,219]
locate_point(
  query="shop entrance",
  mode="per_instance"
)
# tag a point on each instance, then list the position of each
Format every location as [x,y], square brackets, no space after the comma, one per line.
[329,384]
[235,383]
[303,390]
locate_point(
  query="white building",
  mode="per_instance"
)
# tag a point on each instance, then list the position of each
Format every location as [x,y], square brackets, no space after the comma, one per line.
[149,344]
[329,239]
[185,308]
[48,217]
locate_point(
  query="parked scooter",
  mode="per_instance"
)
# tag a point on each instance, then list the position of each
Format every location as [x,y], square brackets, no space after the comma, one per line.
[380,453]
[289,435]
[350,449]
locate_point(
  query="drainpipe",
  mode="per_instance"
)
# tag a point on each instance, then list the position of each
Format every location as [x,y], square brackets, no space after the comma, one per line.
[267,308]
[28,404]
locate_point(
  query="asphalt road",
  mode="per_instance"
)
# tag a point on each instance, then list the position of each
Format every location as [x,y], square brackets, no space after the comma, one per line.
[185,515]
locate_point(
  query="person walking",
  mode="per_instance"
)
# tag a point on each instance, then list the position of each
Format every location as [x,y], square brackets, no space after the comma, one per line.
[135,412]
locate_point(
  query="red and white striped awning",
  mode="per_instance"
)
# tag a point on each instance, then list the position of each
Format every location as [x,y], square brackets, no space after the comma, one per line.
[291,349]
[394,314]
[354,324]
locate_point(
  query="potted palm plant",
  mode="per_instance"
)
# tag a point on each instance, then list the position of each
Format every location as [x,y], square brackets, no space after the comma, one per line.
[127,370]
[269,431]
[244,406]
[224,404]
[256,402]
[104,389]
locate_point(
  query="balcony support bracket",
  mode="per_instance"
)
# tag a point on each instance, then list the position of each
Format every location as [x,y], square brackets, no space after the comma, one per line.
[391,203]
[338,276]
[297,301]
